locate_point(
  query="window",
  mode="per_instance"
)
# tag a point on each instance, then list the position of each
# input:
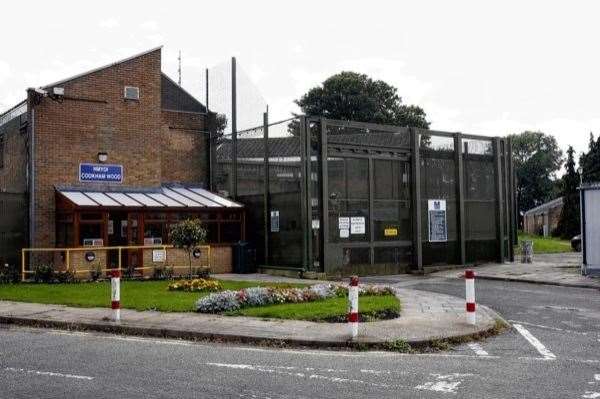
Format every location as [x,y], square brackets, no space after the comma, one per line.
[2,151]
[132,93]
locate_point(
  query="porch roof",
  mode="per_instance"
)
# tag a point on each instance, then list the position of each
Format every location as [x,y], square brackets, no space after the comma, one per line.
[165,197]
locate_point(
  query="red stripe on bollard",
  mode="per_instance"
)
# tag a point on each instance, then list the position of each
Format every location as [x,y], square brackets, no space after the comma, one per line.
[354,281]
[115,305]
[469,274]
[470,307]
[353,318]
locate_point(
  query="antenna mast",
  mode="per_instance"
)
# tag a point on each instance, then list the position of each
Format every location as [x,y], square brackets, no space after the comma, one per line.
[179,67]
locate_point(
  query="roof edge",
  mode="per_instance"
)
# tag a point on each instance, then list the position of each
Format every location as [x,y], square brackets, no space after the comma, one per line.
[102,67]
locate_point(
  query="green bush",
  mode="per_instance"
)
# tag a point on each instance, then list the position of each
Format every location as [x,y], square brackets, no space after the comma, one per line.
[9,273]
[43,273]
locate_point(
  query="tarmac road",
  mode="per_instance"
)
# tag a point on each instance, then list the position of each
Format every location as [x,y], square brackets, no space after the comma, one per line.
[553,352]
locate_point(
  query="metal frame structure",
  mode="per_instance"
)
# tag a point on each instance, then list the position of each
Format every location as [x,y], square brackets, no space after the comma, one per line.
[316,149]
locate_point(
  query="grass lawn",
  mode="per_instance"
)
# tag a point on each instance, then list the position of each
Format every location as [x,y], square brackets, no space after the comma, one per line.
[329,309]
[153,295]
[139,295]
[546,245]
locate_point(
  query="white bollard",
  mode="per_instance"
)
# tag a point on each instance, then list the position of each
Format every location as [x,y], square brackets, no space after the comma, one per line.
[115,290]
[470,296]
[353,306]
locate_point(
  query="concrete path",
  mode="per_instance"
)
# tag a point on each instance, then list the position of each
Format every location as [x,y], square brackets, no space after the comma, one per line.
[425,316]
[555,269]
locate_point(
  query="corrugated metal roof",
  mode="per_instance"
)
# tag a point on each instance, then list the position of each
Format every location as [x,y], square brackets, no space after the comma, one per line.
[544,207]
[176,197]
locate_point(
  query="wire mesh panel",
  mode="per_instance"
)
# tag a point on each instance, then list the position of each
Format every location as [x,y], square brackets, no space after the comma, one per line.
[285,194]
[438,186]
[480,200]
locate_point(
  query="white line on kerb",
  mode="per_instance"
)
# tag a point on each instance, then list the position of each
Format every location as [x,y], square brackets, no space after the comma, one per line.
[475,347]
[49,373]
[535,342]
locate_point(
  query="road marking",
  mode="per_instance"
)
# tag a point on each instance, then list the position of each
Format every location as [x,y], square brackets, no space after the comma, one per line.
[475,347]
[548,327]
[591,395]
[49,373]
[448,383]
[310,376]
[535,342]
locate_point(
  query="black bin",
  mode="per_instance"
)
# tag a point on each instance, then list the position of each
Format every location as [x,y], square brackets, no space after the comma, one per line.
[244,258]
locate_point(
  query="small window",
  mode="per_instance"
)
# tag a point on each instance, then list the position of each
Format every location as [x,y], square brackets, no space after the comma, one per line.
[132,93]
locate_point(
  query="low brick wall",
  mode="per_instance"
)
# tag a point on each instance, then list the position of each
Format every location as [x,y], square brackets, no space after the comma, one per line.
[220,261]
[78,263]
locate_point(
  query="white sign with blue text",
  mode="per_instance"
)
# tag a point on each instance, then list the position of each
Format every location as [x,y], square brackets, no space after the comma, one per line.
[90,172]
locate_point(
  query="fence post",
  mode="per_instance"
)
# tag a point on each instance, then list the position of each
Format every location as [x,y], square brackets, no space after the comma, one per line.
[115,285]
[22,265]
[353,308]
[470,296]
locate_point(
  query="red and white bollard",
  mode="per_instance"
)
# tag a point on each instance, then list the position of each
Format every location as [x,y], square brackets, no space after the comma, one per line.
[470,296]
[115,290]
[353,306]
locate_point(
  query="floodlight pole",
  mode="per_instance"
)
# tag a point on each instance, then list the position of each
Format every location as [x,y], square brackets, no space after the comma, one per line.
[234,191]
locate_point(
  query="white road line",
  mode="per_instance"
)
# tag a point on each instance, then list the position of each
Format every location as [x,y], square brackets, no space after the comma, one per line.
[548,327]
[48,373]
[535,342]
[475,347]
[443,383]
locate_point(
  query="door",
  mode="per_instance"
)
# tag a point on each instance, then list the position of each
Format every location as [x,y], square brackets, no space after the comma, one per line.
[134,256]
[117,237]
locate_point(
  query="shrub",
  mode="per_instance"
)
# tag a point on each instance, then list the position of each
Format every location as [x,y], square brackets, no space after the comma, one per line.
[96,273]
[195,285]
[219,302]
[163,273]
[187,235]
[43,273]
[9,273]
[64,277]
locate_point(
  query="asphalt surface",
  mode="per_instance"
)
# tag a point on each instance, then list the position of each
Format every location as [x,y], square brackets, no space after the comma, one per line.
[555,353]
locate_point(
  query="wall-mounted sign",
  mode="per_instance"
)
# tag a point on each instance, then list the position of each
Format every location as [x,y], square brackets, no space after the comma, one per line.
[357,225]
[90,256]
[436,214]
[344,223]
[196,253]
[344,233]
[159,255]
[91,172]
[390,232]
[274,221]
[316,224]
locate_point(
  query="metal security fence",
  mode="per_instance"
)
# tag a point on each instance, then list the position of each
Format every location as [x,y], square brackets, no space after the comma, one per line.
[13,226]
[345,197]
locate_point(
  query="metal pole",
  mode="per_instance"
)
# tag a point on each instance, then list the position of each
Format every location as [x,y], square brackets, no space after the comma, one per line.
[324,183]
[234,126]
[499,210]
[460,197]
[416,199]
[267,205]
[303,193]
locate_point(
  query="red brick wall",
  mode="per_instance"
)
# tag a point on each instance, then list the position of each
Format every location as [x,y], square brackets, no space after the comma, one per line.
[184,148]
[135,134]
[13,176]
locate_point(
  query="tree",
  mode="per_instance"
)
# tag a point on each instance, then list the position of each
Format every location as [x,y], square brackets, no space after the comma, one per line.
[353,96]
[187,235]
[590,162]
[569,224]
[537,158]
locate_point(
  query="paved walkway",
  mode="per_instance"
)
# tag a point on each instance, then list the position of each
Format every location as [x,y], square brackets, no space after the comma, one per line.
[425,316]
[555,269]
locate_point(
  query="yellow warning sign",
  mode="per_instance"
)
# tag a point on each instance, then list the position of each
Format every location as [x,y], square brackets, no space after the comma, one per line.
[390,231]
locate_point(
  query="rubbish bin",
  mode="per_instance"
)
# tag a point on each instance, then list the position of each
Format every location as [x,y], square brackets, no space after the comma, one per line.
[244,258]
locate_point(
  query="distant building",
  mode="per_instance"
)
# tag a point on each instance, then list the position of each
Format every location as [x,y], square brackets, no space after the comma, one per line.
[543,219]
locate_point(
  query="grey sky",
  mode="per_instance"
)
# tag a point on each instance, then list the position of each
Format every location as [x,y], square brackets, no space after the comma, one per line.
[474,66]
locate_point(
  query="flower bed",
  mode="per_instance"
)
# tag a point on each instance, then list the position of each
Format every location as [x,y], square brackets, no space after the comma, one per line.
[197,284]
[226,301]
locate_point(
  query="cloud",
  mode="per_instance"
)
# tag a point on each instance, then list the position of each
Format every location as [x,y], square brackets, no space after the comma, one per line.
[149,25]
[109,23]
[4,71]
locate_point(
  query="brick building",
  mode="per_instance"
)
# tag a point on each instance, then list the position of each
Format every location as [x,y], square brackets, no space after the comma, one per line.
[109,157]
[543,219]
